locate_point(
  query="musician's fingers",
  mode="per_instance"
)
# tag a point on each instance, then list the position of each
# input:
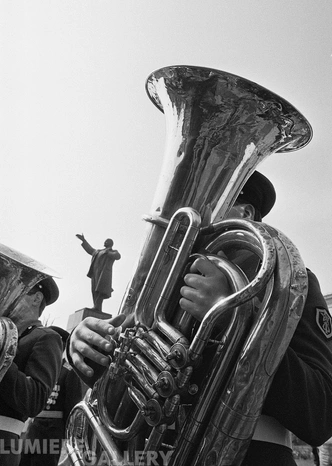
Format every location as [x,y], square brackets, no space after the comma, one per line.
[205,267]
[191,294]
[91,332]
[116,323]
[79,351]
[193,280]
[80,365]
[191,307]
[91,339]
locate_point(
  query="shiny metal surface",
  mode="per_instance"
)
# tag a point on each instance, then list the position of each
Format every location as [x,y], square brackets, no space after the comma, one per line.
[177,388]
[8,344]
[235,412]
[219,128]
[18,274]
[83,418]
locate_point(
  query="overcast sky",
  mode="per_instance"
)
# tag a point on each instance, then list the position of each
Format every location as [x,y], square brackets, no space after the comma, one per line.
[81,143]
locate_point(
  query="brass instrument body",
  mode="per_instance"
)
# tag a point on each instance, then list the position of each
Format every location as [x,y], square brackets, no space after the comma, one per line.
[18,274]
[236,412]
[169,373]
[219,128]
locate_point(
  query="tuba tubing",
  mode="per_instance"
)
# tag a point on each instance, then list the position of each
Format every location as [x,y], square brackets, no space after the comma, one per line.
[185,391]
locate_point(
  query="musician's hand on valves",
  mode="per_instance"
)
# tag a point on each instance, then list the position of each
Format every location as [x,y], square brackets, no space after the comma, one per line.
[205,285]
[92,339]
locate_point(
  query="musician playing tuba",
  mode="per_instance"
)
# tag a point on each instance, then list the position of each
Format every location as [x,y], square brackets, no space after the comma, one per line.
[299,400]
[29,380]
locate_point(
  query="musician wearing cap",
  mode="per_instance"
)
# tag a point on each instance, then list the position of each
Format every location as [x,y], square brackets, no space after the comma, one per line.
[29,380]
[300,397]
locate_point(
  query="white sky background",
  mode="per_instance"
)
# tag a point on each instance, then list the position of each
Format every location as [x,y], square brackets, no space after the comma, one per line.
[81,143]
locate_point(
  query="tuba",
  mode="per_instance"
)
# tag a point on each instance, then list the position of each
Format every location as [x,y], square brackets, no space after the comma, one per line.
[18,274]
[179,391]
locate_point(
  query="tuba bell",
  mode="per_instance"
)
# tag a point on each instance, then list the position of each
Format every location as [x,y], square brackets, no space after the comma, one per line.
[179,391]
[18,274]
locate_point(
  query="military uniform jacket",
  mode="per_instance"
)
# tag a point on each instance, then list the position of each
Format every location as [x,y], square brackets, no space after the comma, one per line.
[66,393]
[29,381]
[300,396]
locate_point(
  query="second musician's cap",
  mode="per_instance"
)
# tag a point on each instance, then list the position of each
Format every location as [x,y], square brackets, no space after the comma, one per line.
[259,192]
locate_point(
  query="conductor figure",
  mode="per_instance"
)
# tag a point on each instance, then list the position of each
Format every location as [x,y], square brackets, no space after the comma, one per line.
[100,270]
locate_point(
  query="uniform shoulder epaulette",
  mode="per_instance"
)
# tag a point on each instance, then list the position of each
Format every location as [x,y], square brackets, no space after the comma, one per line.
[324,321]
